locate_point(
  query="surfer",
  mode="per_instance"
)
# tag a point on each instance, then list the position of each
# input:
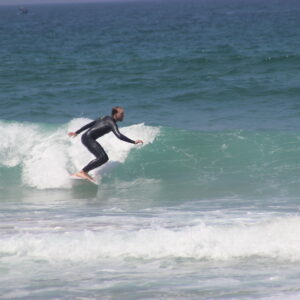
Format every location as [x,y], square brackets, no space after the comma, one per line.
[96,129]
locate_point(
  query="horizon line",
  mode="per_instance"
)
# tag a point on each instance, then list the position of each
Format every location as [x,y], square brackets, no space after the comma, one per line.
[49,2]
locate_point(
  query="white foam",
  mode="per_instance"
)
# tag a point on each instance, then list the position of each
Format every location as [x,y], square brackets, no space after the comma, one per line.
[48,156]
[16,140]
[277,239]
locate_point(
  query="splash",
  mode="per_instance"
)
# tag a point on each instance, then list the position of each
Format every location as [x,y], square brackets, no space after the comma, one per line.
[47,155]
[277,238]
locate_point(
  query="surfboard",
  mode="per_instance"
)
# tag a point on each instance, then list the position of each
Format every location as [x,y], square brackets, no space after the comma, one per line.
[83,179]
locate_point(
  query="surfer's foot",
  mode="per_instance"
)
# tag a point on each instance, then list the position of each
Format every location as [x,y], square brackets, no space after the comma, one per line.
[84,175]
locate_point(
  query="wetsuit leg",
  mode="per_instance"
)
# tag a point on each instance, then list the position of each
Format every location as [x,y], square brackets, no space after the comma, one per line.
[96,149]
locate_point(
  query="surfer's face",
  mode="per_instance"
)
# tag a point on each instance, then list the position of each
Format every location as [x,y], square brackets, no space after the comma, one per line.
[120,115]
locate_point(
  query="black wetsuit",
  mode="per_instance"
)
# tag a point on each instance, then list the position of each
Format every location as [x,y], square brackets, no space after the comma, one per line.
[98,128]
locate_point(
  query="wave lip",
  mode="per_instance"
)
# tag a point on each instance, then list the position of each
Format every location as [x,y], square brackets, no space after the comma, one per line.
[47,155]
[188,164]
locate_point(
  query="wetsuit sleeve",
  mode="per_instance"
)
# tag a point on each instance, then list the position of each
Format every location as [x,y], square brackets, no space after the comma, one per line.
[89,125]
[119,135]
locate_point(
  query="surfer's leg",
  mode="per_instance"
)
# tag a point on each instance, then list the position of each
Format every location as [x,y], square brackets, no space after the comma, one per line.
[97,162]
[96,149]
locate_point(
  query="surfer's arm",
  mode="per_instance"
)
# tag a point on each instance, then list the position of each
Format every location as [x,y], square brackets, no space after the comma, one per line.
[85,127]
[119,135]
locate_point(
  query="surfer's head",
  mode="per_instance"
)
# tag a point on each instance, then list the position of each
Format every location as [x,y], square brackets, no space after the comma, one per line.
[117,113]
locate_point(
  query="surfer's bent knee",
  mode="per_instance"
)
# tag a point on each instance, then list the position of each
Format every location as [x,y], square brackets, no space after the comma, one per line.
[105,158]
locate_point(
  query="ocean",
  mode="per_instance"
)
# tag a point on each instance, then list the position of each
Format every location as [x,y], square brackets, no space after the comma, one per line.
[208,207]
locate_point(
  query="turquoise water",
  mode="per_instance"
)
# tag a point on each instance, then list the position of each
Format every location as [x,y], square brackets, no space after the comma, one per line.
[208,207]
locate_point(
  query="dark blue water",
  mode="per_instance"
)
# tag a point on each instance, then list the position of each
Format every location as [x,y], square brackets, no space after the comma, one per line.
[209,64]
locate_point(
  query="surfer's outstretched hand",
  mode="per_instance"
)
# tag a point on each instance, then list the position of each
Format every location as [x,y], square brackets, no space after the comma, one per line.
[139,142]
[72,134]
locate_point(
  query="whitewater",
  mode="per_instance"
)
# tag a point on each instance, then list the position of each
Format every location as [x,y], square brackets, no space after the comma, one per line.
[208,207]
[190,201]
[48,157]
[203,210]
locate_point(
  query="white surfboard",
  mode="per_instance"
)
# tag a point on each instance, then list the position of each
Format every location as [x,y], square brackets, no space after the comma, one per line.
[83,179]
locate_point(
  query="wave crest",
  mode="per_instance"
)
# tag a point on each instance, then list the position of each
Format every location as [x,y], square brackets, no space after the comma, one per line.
[47,155]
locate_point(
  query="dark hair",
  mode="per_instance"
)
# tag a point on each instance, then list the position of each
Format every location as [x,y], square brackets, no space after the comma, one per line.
[115,110]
